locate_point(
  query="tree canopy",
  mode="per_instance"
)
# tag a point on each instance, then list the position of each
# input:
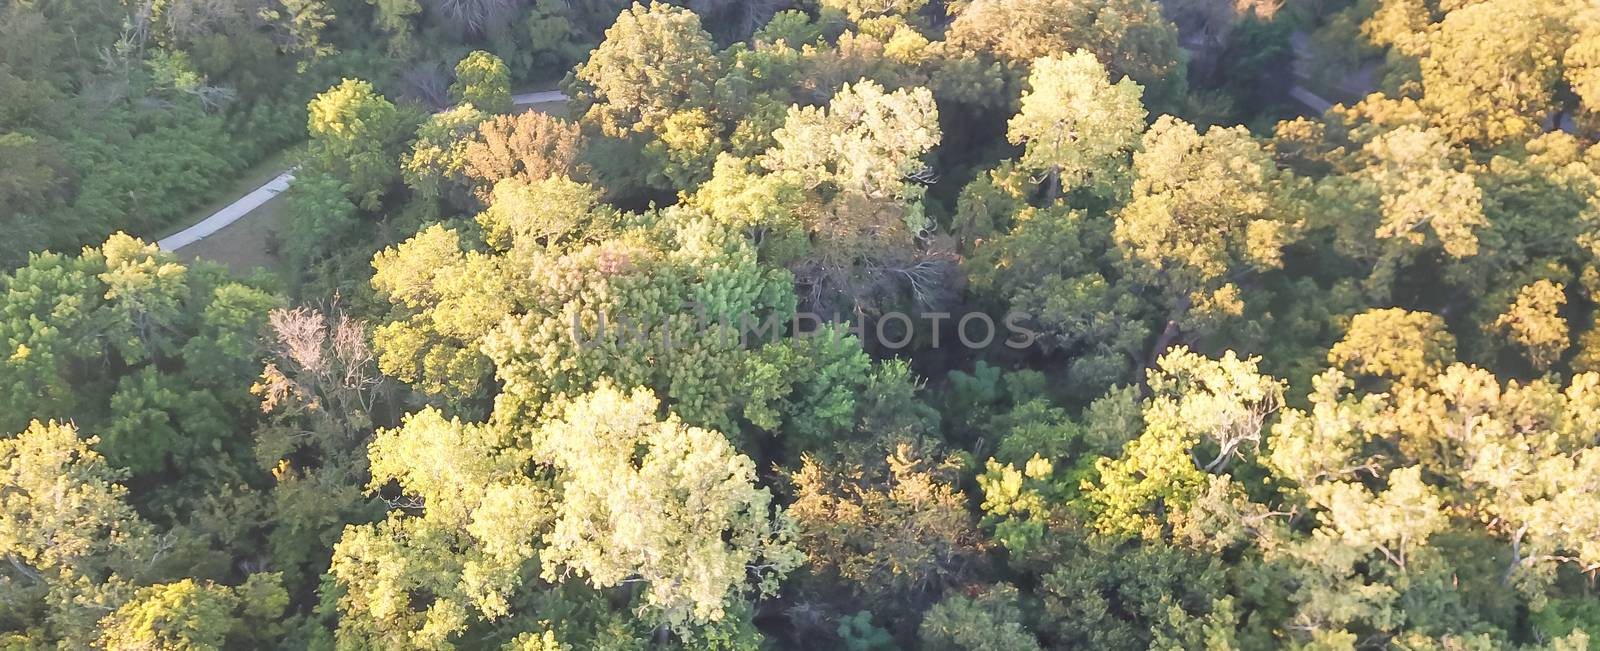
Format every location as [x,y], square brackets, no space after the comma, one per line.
[969,325]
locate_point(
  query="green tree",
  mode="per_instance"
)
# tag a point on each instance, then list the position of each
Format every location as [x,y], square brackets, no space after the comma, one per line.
[70,538]
[1076,125]
[483,81]
[1424,203]
[125,339]
[463,552]
[356,136]
[651,84]
[991,621]
[187,615]
[660,502]
[1203,213]
[654,62]
[437,165]
[1202,415]
[322,220]
[1050,266]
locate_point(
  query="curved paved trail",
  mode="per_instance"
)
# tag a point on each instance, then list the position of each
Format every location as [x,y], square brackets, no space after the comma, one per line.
[239,209]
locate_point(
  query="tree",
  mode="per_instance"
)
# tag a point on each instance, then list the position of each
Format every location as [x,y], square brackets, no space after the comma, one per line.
[555,34]
[1393,343]
[300,25]
[1132,597]
[1196,405]
[1075,125]
[1581,64]
[355,136]
[67,532]
[319,393]
[1395,523]
[855,165]
[896,533]
[1402,25]
[990,621]
[1535,325]
[438,316]
[191,615]
[464,549]
[660,502]
[607,492]
[527,218]
[1490,73]
[654,62]
[124,339]
[321,221]
[437,166]
[651,85]
[65,510]
[31,187]
[1424,203]
[474,16]
[1049,268]
[1202,213]
[651,305]
[1130,37]
[1511,454]
[530,145]
[483,81]
[867,141]
[865,10]
[806,390]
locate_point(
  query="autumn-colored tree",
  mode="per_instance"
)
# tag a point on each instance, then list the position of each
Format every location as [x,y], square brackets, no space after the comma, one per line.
[894,532]
[532,145]
[1393,343]
[1534,323]
[1491,70]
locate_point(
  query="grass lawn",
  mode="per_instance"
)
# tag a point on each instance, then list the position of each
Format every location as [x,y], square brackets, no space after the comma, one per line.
[557,109]
[243,245]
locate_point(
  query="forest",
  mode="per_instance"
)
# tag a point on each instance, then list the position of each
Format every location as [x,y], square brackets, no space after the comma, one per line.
[697,359]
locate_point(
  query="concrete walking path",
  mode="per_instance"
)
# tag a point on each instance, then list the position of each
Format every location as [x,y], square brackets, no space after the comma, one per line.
[223,218]
[1310,99]
[239,209]
[540,97]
